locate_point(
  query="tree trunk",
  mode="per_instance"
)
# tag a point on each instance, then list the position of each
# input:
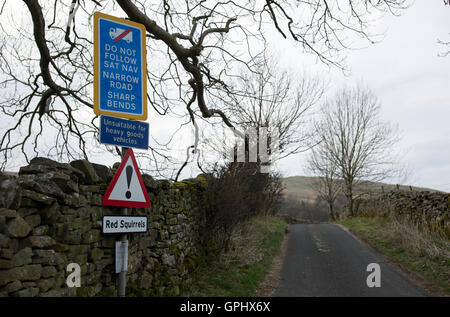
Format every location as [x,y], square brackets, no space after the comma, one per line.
[349,205]
[331,209]
[349,196]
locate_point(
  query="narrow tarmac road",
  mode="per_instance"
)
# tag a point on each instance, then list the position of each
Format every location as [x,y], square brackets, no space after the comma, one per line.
[325,260]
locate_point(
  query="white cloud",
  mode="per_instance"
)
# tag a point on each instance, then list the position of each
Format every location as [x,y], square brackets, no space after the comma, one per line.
[413,85]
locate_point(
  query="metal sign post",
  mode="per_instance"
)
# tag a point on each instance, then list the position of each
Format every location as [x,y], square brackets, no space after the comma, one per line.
[123,237]
[120,91]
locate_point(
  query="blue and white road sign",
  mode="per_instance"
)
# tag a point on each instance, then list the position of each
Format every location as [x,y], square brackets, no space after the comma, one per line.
[122,132]
[120,84]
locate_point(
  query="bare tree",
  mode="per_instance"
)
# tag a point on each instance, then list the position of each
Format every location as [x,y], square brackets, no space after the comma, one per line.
[46,60]
[352,138]
[275,104]
[328,186]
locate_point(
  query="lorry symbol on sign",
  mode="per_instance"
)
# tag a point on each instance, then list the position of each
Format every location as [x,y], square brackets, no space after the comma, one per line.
[117,34]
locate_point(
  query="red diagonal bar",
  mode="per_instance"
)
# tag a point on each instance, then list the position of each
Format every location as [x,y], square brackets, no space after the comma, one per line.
[117,39]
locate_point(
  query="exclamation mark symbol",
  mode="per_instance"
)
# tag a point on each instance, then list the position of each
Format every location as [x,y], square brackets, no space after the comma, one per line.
[129,172]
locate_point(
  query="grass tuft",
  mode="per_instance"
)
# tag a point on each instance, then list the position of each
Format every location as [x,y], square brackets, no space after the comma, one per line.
[239,272]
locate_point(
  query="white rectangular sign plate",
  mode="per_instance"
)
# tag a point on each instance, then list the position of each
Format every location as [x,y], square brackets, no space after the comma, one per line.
[121,256]
[124,224]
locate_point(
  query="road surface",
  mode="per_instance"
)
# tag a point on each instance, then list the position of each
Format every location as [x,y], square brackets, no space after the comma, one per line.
[325,260]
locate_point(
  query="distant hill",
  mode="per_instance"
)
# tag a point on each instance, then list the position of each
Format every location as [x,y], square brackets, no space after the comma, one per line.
[300,187]
[301,200]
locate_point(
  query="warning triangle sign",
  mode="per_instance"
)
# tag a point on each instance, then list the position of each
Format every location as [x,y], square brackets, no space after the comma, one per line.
[127,188]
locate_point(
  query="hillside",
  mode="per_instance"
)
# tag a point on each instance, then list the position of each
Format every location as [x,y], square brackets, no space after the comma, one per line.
[300,187]
[301,200]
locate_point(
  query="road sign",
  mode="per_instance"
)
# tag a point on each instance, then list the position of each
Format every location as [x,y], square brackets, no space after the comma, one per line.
[120,75]
[124,224]
[122,132]
[121,256]
[127,188]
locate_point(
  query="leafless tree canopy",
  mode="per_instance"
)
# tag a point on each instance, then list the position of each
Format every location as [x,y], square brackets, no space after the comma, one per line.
[329,185]
[273,99]
[195,49]
[354,141]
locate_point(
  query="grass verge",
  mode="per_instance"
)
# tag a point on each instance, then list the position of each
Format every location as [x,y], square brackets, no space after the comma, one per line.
[422,253]
[240,271]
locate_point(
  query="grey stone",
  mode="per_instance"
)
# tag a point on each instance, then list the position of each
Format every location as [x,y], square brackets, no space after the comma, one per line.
[146,280]
[29,203]
[60,279]
[6,254]
[49,257]
[79,258]
[40,165]
[8,213]
[8,191]
[168,260]
[103,172]
[86,167]
[41,241]
[45,284]
[70,237]
[96,200]
[24,273]
[33,220]
[2,223]
[48,271]
[27,292]
[90,188]
[24,212]
[149,182]
[96,213]
[66,210]
[61,292]
[5,264]
[13,287]
[41,184]
[75,200]
[46,162]
[63,181]
[41,230]
[22,257]
[50,213]
[61,247]
[91,236]
[37,197]
[27,284]
[33,169]
[95,254]
[18,228]
[78,249]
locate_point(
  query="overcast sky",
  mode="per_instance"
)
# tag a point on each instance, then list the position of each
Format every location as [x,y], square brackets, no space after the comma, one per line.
[405,73]
[412,84]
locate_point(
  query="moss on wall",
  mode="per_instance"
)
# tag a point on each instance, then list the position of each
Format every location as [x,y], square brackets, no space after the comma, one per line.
[51,215]
[427,210]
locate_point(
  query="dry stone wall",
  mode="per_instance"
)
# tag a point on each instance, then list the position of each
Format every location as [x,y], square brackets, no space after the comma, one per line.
[427,210]
[51,215]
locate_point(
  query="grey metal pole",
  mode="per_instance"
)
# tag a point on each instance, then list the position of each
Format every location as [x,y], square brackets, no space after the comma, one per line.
[123,237]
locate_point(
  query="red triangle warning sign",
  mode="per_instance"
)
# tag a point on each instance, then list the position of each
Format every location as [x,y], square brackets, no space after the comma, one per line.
[127,188]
